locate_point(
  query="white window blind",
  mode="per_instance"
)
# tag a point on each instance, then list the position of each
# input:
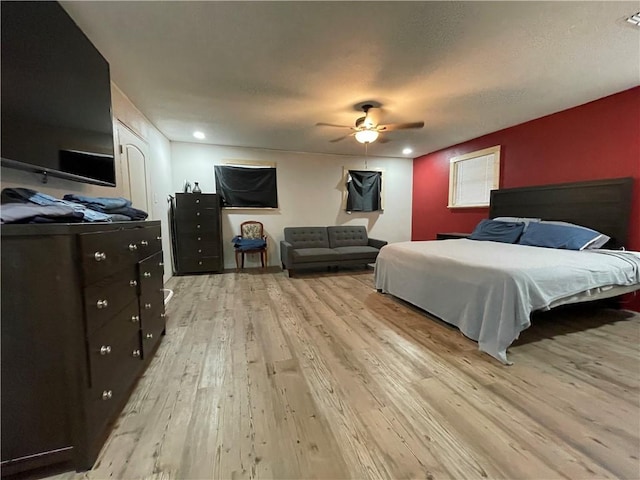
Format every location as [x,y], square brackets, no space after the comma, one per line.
[472,176]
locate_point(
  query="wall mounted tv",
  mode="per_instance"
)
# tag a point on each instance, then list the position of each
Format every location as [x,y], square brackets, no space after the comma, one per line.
[56,96]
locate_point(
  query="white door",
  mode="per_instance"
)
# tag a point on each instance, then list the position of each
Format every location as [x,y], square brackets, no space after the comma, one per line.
[134,153]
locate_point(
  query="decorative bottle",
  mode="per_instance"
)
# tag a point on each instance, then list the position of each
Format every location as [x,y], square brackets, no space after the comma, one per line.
[196,188]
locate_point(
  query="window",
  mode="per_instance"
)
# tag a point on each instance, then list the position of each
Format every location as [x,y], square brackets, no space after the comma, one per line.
[247,185]
[472,176]
[363,192]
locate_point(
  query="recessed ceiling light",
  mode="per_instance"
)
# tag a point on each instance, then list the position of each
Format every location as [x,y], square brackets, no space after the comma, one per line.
[199,135]
[634,19]
[407,151]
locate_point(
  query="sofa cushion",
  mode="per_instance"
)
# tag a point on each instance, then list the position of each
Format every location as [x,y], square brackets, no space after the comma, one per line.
[307,237]
[305,255]
[347,236]
[358,252]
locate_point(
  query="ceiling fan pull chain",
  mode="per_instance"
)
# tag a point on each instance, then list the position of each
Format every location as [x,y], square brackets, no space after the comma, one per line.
[366,154]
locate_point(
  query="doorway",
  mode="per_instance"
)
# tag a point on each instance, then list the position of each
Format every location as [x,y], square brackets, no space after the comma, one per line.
[134,153]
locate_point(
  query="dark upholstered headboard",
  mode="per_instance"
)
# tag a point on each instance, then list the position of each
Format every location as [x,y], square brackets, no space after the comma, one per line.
[603,205]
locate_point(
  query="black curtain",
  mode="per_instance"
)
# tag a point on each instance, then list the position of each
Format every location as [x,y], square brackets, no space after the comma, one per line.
[246,187]
[364,191]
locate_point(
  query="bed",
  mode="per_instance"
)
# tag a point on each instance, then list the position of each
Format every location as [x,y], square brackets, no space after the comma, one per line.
[489,289]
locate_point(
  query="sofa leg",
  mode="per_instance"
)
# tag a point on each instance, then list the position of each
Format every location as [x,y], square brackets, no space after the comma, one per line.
[290,272]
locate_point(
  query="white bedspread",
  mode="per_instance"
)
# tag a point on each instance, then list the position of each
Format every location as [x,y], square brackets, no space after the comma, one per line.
[489,289]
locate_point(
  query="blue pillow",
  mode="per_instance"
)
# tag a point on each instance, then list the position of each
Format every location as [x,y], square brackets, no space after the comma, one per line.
[497,231]
[558,235]
[525,220]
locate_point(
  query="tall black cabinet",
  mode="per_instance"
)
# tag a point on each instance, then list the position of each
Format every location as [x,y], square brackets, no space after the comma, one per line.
[197,233]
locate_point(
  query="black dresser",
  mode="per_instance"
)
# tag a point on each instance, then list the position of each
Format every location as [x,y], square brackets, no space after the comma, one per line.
[197,233]
[82,315]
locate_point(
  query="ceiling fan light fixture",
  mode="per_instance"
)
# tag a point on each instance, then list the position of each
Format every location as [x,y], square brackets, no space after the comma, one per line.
[366,136]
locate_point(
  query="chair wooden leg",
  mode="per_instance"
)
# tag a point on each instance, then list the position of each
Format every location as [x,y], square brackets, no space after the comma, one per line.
[242,264]
[237,262]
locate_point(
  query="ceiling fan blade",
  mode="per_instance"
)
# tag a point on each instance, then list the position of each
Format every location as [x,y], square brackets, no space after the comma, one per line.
[382,139]
[341,138]
[399,126]
[322,124]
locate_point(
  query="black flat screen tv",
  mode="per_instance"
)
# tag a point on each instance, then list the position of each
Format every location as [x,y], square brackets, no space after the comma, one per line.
[56,96]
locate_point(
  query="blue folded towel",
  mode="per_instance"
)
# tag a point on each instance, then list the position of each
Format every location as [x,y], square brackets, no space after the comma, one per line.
[248,243]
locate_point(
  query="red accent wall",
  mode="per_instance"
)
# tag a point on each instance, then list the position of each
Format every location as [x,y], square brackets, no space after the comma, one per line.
[597,140]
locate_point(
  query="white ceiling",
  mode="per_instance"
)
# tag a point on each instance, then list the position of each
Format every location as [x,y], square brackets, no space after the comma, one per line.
[261,74]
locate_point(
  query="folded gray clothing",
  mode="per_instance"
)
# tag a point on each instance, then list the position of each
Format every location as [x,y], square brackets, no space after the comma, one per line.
[23,212]
[116,217]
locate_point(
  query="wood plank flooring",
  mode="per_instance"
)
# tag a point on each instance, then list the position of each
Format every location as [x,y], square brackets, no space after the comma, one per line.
[320,376]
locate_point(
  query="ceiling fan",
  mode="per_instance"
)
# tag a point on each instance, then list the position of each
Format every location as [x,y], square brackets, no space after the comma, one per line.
[368,128]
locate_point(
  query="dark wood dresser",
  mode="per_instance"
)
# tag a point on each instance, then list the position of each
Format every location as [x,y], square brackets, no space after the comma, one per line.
[197,233]
[82,315]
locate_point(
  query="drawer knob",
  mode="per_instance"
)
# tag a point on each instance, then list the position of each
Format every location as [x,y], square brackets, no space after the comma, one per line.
[149,336]
[147,306]
[197,201]
[107,394]
[100,256]
[199,238]
[133,247]
[136,353]
[102,304]
[198,226]
[146,274]
[161,264]
[158,238]
[162,315]
[105,350]
[199,250]
[199,263]
[135,319]
[133,283]
[144,243]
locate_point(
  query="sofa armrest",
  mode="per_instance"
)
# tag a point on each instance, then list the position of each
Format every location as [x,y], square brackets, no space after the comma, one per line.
[286,253]
[377,243]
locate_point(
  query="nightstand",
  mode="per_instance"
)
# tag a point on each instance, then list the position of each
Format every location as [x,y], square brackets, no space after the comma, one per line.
[451,235]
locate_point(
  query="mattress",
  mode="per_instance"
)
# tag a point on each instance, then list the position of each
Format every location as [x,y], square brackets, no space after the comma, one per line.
[489,289]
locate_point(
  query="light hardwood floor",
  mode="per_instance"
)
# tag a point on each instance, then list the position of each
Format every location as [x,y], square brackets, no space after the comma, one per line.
[320,376]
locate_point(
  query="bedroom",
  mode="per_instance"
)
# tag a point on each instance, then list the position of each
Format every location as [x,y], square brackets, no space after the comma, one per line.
[310,189]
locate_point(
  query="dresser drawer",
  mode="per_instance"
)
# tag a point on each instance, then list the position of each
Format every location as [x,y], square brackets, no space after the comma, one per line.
[108,393]
[198,214]
[200,264]
[205,226]
[109,296]
[192,247]
[104,253]
[148,241]
[113,344]
[190,201]
[153,324]
[151,297]
[150,273]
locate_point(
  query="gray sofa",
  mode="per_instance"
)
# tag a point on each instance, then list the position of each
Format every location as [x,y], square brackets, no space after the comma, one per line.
[309,247]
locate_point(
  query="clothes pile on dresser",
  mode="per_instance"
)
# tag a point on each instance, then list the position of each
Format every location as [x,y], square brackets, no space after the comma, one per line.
[22,205]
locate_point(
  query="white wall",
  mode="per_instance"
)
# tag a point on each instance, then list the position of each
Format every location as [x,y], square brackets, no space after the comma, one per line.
[309,193]
[159,171]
